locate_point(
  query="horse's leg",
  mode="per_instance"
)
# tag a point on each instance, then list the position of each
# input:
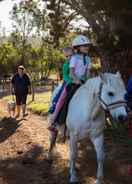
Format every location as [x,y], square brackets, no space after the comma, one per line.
[99,148]
[52,141]
[73,155]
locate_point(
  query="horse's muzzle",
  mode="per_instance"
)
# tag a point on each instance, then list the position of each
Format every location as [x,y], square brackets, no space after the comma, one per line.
[122,118]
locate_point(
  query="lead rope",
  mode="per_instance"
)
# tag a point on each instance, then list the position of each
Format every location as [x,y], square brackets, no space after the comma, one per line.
[13,98]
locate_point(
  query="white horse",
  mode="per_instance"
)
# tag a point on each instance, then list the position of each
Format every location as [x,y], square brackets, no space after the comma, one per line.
[86,115]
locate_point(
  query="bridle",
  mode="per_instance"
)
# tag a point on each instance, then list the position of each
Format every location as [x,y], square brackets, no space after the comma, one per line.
[108,107]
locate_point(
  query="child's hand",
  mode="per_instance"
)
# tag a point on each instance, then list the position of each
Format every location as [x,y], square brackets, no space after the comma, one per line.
[77,82]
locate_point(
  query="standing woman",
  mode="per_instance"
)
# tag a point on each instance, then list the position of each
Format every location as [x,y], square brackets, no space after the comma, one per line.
[21,87]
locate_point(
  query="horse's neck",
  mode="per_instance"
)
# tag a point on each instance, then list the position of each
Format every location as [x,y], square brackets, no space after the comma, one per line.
[92,86]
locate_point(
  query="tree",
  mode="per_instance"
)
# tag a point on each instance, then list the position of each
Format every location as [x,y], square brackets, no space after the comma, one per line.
[59,19]
[8,58]
[23,25]
[109,20]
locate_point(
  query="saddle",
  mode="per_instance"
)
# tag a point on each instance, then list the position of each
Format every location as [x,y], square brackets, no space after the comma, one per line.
[61,118]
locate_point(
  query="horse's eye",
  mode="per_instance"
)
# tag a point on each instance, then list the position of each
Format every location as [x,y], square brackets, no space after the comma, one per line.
[110,93]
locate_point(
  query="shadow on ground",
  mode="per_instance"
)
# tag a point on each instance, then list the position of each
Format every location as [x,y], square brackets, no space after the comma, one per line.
[8,126]
[32,167]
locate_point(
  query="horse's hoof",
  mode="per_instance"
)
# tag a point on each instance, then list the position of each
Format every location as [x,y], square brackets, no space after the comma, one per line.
[73,179]
[98,182]
[73,182]
[49,157]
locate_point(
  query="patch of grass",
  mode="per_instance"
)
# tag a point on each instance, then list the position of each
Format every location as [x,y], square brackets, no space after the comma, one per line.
[7,98]
[39,108]
[39,105]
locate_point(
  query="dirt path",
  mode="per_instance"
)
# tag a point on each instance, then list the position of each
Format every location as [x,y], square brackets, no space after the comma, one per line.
[23,148]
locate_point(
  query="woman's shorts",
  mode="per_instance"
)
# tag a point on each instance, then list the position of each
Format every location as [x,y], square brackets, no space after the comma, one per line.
[21,99]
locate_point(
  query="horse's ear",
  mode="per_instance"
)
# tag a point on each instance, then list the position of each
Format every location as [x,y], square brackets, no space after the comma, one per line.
[103,77]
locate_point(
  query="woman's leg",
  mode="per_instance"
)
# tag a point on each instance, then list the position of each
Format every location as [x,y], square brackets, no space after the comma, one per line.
[18,105]
[24,99]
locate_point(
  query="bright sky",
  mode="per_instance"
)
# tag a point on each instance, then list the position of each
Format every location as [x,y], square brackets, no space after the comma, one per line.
[5,8]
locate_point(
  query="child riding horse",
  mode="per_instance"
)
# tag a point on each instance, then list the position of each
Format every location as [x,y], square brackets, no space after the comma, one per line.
[79,66]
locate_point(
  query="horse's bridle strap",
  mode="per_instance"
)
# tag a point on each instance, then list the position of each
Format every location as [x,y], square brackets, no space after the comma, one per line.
[113,105]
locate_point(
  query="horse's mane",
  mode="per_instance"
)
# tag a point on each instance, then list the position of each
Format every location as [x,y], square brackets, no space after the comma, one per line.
[110,78]
[93,83]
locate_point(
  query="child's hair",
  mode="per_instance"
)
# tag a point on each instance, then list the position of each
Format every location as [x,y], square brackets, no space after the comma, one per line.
[67,49]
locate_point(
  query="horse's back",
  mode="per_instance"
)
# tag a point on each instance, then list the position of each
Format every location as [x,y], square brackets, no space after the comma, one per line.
[79,110]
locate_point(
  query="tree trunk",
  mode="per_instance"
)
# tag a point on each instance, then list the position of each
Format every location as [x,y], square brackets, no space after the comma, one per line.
[33,93]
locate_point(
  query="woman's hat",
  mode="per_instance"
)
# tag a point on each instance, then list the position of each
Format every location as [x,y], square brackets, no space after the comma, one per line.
[21,67]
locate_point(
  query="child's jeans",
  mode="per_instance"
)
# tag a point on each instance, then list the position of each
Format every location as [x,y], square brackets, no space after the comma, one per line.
[56,98]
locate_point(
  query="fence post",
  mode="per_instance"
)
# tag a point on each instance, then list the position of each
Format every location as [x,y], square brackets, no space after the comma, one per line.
[52,86]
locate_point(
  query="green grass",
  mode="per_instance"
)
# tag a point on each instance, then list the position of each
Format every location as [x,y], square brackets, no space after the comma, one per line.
[38,108]
[39,105]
